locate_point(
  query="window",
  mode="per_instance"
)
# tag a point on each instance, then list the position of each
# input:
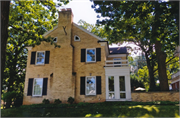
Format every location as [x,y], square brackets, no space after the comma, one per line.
[76,38]
[122,87]
[91,55]
[40,58]
[55,39]
[90,85]
[117,62]
[111,87]
[37,86]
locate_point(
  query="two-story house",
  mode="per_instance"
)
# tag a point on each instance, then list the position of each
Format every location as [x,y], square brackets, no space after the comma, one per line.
[84,67]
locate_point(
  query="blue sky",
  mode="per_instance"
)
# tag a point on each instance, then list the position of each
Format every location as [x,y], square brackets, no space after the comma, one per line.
[82,10]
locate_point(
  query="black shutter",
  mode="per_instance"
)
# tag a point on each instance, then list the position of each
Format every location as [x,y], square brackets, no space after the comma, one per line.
[98,54]
[82,86]
[33,57]
[30,87]
[83,55]
[45,81]
[98,84]
[47,57]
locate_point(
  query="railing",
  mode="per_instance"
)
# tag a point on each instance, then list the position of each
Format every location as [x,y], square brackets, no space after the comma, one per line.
[116,63]
[175,74]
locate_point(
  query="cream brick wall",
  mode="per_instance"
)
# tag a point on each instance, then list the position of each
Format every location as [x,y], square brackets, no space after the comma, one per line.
[84,69]
[60,64]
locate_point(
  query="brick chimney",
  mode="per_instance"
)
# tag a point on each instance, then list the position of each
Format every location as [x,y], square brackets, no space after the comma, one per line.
[65,25]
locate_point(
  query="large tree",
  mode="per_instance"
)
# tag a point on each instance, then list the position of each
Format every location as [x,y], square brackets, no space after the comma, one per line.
[151,25]
[28,21]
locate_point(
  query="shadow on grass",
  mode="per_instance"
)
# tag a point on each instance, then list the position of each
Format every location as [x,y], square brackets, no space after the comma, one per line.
[92,110]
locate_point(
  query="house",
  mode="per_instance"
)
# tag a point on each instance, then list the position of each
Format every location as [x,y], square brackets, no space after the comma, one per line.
[176,77]
[84,67]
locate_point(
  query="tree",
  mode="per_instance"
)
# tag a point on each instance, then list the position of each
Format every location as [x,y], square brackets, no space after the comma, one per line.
[97,30]
[153,26]
[28,21]
[4,34]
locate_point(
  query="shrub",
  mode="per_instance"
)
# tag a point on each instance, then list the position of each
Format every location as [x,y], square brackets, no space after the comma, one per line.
[57,101]
[8,97]
[45,101]
[82,104]
[70,100]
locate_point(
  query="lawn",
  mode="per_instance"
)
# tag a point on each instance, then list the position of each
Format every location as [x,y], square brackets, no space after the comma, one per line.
[106,109]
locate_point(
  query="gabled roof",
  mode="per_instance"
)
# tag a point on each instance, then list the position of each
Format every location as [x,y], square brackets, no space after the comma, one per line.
[97,37]
[46,33]
[118,50]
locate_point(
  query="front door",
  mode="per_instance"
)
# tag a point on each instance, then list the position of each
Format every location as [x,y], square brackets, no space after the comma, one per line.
[115,88]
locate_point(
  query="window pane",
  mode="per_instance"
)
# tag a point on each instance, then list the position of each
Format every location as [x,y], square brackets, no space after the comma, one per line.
[40,54]
[40,60]
[91,55]
[111,83]
[122,83]
[90,86]
[111,96]
[37,86]
[122,95]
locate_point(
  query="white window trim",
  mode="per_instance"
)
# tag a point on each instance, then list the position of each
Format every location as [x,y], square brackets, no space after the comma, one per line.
[75,38]
[86,85]
[56,39]
[33,87]
[44,57]
[94,54]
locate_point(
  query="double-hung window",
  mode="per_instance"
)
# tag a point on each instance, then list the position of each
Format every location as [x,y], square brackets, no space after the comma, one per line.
[91,55]
[37,86]
[40,58]
[90,85]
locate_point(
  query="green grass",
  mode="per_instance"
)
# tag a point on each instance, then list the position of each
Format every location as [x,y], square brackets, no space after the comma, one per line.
[106,109]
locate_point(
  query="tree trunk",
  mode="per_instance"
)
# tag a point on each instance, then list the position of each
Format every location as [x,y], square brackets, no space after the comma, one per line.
[4,35]
[161,58]
[151,74]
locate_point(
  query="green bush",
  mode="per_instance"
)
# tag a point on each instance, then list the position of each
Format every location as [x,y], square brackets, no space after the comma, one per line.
[45,101]
[57,101]
[70,100]
[83,104]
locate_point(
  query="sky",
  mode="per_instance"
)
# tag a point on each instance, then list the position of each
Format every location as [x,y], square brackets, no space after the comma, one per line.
[82,11]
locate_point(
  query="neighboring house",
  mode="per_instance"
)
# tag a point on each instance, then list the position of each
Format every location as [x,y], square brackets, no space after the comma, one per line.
[176,77]
[84,67]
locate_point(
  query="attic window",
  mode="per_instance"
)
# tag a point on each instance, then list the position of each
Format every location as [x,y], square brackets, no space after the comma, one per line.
[76,38]
[55,39]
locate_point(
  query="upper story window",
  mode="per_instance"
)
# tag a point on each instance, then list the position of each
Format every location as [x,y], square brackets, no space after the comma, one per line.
[40,58]
[91,55]
[55,39]
[90,85]
[76,38]
[117,62]
[37,86]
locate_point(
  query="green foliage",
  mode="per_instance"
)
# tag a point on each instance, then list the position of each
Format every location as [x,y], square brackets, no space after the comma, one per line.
[143,23]
[105,109]
[57,101]
[70,100]
[97,30]
[28,21]
[83,104]
[45,101]
[9,96]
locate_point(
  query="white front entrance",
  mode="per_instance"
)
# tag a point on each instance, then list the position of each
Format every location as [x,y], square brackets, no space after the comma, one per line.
[118,85]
